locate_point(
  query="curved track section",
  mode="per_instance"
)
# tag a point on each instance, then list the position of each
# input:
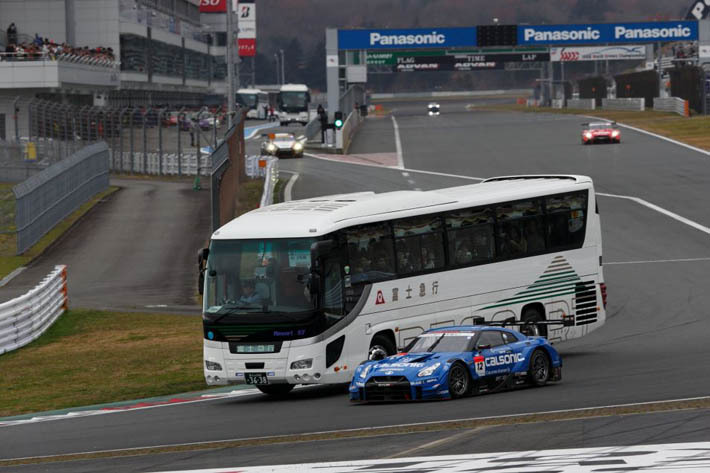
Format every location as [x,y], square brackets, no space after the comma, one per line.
[657,269]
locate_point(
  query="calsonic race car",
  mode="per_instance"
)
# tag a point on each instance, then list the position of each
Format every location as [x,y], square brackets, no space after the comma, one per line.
[452,362]
[433,109]
[602,132]
[282,145]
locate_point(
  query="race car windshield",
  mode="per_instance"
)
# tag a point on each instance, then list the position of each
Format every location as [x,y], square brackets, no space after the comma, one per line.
[441,342]
[599,126]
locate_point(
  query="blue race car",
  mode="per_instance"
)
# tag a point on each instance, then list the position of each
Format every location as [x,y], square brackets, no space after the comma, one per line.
[452,362]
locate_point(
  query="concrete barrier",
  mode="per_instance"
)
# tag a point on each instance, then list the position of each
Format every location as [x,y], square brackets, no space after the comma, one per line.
[635,104]
[25,318]
[672,104]
[465,93]
[582,104]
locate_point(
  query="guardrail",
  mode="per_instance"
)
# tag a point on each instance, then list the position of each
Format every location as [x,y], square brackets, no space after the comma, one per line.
[48,197]
[636,104]
[25,318]
[343,137]
[467,93]
[558,103]
[582,104]
[270,178]
[672,104]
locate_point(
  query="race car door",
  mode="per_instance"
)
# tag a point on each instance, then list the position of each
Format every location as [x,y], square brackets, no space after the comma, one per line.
[494,357]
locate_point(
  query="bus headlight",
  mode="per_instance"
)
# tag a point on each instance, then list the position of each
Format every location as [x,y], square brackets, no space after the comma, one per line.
[428,371]
[212,366]
[302,364]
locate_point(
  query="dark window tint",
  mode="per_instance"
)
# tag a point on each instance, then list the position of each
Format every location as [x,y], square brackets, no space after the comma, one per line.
[419,244]
[509,337]
[520,229]
[370,252]
[566,220]
[470,235]
[490,337]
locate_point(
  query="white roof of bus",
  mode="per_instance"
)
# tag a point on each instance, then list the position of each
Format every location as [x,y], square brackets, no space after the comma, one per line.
[250,91]
[294,88]
[322,215]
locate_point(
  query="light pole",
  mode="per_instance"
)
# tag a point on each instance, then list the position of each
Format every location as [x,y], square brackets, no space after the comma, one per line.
[276,58]
[283,73]
[230,65]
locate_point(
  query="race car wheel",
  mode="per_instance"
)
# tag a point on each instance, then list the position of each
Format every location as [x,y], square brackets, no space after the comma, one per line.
[380,347]
[459,380]
[276,390]
[539,371]
[531,328]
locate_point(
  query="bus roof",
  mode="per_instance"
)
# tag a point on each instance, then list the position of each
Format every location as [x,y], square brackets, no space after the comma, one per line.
[321,215]
[294,88]
[250,91]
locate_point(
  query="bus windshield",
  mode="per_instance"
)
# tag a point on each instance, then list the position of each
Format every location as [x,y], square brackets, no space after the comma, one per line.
[294,101]
[251,277]
[248,100]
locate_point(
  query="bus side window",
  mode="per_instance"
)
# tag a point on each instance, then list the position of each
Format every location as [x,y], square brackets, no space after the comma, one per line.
[419,244]
[520,229]
[566,220]
[370,252]
[470,236]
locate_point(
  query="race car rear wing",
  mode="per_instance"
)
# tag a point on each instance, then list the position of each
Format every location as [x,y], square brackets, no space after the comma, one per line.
[511,321]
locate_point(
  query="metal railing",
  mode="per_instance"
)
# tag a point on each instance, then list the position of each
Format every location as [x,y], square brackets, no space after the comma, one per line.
[271,176]
[582,104]
[25,318]
[354,96]
[672,104]
[47,198]
[141,140]
[634,104]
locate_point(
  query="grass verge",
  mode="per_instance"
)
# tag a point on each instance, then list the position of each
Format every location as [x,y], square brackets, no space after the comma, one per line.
[92,357]
[9,260]
[692,131]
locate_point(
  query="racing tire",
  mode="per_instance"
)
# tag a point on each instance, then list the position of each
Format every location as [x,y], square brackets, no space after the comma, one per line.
[540,371]
[381,345]
[459,380]
[276,390]
[530,317]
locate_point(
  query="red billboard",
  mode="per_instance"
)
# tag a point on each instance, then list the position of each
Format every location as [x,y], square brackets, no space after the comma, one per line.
[213,6]
[247,46]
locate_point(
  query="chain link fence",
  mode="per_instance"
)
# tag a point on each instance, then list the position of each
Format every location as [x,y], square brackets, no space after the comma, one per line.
[141,140]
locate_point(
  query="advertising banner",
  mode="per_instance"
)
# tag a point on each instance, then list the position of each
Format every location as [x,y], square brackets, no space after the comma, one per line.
[597,53]
[704,52]
[648,32]
[246,37]
[213,6]
[396,57]
[407,38]
[444,63]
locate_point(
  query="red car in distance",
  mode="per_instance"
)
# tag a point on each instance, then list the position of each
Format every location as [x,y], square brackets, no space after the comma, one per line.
[601,132]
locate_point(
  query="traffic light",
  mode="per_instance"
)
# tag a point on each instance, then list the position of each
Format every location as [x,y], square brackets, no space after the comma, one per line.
[338,120]
[497,35]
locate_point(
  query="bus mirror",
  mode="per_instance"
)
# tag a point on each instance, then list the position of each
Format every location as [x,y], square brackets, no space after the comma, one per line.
[321,248]
[202,255]
[201,283]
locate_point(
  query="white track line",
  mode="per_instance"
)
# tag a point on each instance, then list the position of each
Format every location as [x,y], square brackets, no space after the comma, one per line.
[398,144]
[11,276]
[660,137]
[661,210]
[376,428]
[678,260]
[289,187]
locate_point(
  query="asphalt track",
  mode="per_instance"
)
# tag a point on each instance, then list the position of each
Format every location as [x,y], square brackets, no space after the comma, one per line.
[653,347]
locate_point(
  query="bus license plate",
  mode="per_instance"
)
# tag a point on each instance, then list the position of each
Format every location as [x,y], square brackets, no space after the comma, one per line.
[256,378]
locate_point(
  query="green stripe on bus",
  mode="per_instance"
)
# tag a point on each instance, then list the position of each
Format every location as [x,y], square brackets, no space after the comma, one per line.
[528,300]
[572,271]
[556,286]
[546,291]
[549,281]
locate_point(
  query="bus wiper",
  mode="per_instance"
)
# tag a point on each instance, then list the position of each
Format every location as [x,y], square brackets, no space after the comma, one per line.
[226,310]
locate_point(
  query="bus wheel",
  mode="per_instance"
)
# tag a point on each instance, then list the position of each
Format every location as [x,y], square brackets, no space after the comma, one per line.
[539,371]
[380,347]
[530,326]
[276,390]
[459,380]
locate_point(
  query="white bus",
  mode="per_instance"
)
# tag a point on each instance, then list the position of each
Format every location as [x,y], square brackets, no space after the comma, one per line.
[256,101]
[302,292]
[293,104]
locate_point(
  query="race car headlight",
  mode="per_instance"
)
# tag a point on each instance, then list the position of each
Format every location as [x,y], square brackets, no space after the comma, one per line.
[615,133]
[429,370]
[212,366]
[364,372]
[271,147]
[302,364]
[297,147]
[588,134]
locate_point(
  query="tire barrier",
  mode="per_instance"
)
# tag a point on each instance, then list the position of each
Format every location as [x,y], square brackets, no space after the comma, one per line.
[25,318]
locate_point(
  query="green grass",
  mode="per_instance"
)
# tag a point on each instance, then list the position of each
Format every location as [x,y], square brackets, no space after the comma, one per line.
[9,260]
[93,357]
[694,130]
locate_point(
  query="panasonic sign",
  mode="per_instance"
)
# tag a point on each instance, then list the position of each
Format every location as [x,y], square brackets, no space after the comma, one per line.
[608,33]
[407,38]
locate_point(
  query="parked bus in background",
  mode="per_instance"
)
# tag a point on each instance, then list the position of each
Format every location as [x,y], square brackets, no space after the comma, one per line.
[302,292]
[293,104]
[256,101]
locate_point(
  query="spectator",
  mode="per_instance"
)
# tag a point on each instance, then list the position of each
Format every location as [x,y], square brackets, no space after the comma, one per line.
[323,117]
[12,34]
